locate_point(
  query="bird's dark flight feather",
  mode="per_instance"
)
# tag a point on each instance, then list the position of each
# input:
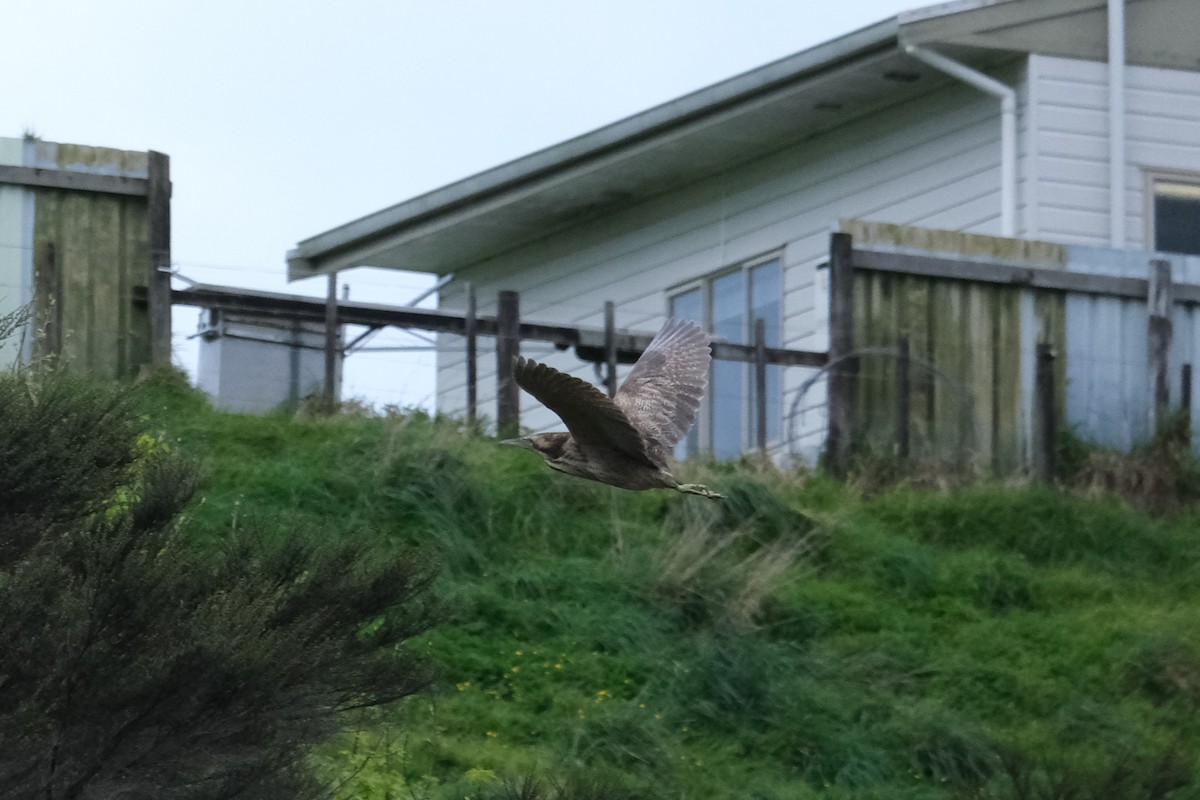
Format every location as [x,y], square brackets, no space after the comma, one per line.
[655,406]
[591,417]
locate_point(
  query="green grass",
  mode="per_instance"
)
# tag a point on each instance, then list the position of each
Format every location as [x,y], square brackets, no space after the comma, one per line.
[796,641]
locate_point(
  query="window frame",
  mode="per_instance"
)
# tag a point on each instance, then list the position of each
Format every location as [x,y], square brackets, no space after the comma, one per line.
[704,283]
[1152,177]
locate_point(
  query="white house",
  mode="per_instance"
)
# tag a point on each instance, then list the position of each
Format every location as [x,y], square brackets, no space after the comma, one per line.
[1000,117]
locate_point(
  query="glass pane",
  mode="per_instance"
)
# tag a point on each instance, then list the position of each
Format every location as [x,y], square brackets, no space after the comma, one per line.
[688,305]
[1177,217]
[728,388]
[729,307]
[766,291]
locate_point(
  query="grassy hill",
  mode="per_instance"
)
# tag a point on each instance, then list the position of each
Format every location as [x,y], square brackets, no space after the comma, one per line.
[796,640]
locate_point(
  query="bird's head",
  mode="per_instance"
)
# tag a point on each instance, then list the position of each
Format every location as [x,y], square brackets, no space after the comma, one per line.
[549,446]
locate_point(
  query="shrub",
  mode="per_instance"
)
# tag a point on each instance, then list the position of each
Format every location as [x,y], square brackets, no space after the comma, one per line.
[136,665]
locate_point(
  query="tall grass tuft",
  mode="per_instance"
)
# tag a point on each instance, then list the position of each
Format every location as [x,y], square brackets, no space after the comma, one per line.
[1161,476]
[530,788]
[719,565]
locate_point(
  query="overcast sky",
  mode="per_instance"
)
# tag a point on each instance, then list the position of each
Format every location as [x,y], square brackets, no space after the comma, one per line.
[284,119]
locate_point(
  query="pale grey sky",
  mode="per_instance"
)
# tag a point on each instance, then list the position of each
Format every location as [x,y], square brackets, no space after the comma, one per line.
[284,119]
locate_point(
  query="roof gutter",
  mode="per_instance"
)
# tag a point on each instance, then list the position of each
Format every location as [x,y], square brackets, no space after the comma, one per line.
[1008,126]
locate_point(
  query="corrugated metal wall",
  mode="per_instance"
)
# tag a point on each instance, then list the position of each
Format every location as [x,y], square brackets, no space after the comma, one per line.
[77,254]
[1108,391]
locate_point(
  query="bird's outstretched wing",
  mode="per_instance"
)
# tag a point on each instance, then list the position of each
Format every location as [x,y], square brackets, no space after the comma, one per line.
[662,394]
[592,418]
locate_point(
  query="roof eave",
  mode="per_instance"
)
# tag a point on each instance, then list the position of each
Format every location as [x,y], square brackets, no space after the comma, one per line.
[323,253]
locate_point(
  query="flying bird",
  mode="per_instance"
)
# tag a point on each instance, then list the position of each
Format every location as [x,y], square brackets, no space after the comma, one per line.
[624,441]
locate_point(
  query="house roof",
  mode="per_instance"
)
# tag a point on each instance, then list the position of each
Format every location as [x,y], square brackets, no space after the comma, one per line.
[735,121]
[1158,33]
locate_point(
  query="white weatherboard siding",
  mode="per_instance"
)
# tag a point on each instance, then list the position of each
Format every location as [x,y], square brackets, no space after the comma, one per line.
[1162,131]
[933,162]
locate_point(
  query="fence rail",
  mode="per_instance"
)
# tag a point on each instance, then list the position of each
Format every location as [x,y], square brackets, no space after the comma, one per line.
[603,345]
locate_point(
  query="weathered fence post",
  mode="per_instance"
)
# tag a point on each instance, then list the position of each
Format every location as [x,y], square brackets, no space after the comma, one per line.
[469,331]
[158,285]
[1047,416]
[610,347]
[47,303]
[841,346]
[760,383]
[903,398]
[1159,303]
[1185,391]
[329,397]
[508,347]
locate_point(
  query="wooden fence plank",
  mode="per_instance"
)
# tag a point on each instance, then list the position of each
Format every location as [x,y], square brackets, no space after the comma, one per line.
[841,348]
[36,177]
[508,347]
[760,384]
[903,400]
[1159,301]
[1047,414]
[329,387]
[469,331]
[158,280]
[610,347]
[47,304]
[1185,391]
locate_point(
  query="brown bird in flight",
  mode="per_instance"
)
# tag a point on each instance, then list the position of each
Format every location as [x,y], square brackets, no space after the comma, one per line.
[624,441]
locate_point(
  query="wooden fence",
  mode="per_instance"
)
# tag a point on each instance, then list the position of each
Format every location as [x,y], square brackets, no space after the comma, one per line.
[93,228]
[608,345]
[975,362]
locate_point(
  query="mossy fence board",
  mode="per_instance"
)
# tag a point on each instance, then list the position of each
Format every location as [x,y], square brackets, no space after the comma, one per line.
[86,245]
[973,325]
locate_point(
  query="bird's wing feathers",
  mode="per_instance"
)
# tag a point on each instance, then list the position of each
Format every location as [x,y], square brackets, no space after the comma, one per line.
[661,397]
[591,417]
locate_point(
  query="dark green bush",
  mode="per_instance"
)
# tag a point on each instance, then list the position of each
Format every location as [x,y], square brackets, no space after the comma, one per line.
[135,664]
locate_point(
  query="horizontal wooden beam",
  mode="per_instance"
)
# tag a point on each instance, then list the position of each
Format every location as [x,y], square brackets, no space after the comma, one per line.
[1010,275]
[587,342]
[76,181]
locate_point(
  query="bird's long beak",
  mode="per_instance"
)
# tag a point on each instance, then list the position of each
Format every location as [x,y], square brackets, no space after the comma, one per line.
[522,443]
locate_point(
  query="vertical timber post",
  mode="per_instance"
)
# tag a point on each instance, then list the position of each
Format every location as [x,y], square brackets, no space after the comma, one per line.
[508,347]
[329,396]
[841,346]
[610,347]
[1047,415]
[903,399]
[472,377]
[1185,391]
[760,384]
[158,285]
[47,304]
[1159,303]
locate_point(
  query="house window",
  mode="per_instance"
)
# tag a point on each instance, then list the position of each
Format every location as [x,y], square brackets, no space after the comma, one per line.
[727,304]
[1177,216]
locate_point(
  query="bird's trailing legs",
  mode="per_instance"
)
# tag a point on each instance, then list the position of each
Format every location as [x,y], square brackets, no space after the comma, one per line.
[696,488]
